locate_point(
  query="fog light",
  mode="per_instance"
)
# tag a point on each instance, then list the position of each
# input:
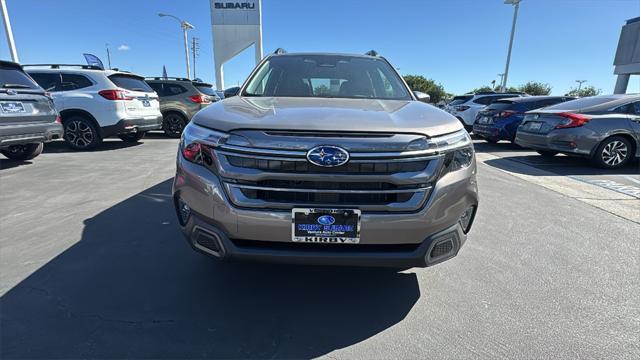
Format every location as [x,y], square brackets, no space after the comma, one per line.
[465,219]
[184,211]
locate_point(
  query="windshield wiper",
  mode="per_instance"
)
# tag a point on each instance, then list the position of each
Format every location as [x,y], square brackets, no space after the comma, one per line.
[16,86]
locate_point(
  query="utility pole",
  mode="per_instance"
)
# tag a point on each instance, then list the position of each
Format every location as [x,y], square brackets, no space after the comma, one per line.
[580,86]
[108,55]
[195,52]
[516,4]
[8,31]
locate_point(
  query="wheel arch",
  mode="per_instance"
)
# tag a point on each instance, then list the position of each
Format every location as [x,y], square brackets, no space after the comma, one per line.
[176,111]
[632,140]
[67,113]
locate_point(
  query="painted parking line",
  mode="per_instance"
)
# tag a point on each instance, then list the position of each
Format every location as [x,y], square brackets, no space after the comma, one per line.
[613,185]
[632,179]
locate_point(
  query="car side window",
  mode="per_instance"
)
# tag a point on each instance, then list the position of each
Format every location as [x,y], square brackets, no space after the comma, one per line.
[625,109]
[173,89]
[75,82]
[486,100]
[48,81]
[636,108]
[158,88]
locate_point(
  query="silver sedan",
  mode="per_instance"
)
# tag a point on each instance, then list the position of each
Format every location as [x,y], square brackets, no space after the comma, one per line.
[605,129]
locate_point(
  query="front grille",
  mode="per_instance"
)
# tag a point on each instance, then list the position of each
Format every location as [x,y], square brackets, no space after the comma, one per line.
[288,166]
[382,181]
[325,198]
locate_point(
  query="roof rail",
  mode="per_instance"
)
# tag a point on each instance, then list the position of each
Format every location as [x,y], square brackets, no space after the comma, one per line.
[371,53]
[280,51]
[58,66]
[166,78]
[485,92]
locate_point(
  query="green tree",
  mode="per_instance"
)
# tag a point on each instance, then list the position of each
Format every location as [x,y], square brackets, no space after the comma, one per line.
[535,88]
[585,91]
[428,86]
[482,89]
[321,90]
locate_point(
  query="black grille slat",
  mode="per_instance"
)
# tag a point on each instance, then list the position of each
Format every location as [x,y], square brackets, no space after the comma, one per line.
[349,168]
[372,198]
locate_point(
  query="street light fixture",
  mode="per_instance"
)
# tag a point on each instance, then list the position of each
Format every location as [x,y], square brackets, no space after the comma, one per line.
[516,4]
[579,86]
[185,27]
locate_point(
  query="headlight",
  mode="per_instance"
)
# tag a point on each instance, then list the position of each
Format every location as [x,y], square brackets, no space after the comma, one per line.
[196,143]
[457,149]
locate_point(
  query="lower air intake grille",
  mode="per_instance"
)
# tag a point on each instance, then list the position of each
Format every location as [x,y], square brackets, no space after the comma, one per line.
[441,249]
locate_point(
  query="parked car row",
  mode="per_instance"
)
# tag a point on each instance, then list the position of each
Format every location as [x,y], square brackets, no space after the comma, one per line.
[85,104]
[466,107]
[604,129]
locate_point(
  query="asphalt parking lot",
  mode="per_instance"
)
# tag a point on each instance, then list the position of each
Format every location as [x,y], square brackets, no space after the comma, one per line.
[94,266]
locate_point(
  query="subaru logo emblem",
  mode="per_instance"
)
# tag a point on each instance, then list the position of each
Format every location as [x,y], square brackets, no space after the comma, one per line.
[328,156]
[326,220]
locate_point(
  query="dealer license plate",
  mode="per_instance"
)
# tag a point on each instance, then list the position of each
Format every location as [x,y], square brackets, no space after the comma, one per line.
[340,226]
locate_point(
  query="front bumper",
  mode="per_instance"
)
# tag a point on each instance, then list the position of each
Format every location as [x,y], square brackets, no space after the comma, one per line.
[30,133]
[386,239]
[127,126]
[573,141]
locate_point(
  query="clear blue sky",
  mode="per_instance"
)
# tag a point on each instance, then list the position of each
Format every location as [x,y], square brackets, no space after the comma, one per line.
[461,44]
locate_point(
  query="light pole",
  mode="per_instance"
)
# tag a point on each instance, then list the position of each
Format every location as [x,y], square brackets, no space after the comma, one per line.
[516,3]
[501,81]
[108,55]
[8,31]
[579,86]
[185,27]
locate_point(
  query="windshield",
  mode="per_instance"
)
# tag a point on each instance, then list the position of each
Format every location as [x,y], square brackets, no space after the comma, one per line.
[460,99]
[327,76]
[132,83]
[499,105]
[581,103]
[205,89]
[12,78]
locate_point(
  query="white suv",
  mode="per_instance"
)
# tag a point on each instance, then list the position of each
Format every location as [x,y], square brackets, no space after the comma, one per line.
[466,107]
[95,103]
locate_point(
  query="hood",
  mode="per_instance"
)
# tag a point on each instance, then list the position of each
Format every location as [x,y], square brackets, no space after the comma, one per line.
[327,114]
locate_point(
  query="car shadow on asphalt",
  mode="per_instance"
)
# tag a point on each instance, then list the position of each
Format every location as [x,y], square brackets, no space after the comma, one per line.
[559,165]
[132,287]
[483,146]
[107,145]
[6,164]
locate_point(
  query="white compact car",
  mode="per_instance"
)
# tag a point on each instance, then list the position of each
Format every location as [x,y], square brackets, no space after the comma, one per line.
[95,103]
[466,107]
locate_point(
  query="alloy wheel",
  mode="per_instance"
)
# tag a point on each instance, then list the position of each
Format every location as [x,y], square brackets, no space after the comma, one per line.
[614,153]
[79,133]
[173,125]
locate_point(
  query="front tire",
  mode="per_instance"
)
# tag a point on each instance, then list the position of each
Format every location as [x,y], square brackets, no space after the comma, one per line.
[23,152]
[81,134]
[613,153]
[173,124]
[132,137]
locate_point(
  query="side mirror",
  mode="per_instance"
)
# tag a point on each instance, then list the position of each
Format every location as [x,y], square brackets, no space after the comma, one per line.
[232,91]
[425,98]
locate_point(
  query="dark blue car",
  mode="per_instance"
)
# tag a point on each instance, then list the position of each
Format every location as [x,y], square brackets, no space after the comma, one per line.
[500,120]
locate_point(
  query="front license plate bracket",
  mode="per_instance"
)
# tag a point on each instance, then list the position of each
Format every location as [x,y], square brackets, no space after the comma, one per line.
[331,226]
